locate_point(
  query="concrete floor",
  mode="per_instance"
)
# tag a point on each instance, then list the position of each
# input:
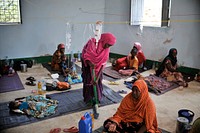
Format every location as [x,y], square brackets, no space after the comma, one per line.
[167,105]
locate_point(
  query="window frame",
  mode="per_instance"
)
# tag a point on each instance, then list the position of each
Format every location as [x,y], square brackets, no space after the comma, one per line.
[19,14]
[165,13]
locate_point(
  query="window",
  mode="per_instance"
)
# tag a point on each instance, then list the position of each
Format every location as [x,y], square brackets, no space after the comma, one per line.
[10,12]
[153,13]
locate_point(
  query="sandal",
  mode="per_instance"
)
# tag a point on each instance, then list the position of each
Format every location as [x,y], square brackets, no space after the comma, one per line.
[122,92]
[31,78]
[71,130]
[30,83]
[55,130]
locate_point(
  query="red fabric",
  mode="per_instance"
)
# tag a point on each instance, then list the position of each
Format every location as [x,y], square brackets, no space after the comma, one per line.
[142,110]
[99,55]
[141,58]
[121,63]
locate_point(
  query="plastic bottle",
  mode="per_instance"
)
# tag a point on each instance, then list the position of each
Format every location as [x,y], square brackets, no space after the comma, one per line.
[85,124]
[92,117]
[79,56]
[7,61]
[12,63]
[39,87]
[72,56]
[44,88]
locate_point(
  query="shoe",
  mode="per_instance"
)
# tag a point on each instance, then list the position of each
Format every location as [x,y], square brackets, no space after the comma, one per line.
[71,130]
[55,130]
[122,91]
[31,78]
[31,83]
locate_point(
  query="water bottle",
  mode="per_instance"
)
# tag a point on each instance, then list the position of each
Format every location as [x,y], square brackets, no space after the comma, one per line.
[44,88]
[85,124]
[7,63]
[12,63]
[79,56]
[39,88]
[72,56]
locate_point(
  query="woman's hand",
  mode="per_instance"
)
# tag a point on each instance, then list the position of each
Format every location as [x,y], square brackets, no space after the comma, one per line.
[112,127]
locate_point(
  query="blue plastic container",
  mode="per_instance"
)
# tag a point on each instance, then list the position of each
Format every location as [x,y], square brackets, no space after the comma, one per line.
[85,124]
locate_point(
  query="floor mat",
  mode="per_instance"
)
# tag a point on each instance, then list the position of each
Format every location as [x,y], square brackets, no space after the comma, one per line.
[69,102]
[61,77]
[108,71]
[155,85]
[10,83]
[101,130]
[159,85]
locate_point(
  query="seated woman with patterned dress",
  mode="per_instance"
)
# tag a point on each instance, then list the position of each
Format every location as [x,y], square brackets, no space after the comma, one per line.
[168,69]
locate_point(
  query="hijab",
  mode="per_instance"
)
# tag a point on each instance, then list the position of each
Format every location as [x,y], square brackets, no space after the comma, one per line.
[98,55]
[168,57]
[138,46]
[141,110]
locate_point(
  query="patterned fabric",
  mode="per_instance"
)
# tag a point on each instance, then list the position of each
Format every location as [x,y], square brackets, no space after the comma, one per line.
[40,107]
[141,111]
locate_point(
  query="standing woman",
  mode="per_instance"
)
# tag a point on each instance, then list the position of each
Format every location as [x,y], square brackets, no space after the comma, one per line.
[95,57]
[168,68]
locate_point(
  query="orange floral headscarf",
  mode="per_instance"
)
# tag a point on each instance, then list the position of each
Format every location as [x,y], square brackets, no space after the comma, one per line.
[142,110]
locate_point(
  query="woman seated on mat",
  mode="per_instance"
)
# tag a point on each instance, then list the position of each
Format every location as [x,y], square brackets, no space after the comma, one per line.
[132,63]
[136,113]
[140,55]
[168,69]
[36,106]
[59,59]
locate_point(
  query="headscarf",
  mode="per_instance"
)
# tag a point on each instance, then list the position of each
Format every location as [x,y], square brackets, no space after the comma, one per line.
[138,46]
[168,57]
[60,46]
[142,110]
[99,55]
[140,54]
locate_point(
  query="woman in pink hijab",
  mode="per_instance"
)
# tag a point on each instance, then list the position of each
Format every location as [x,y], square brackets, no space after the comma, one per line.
[140,55]
[95,57]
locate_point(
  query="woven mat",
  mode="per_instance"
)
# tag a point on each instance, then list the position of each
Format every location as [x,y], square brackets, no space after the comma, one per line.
[69,102]
[10,83]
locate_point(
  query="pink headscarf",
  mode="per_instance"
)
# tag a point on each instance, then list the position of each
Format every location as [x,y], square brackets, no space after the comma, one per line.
[99,55]
[138,46]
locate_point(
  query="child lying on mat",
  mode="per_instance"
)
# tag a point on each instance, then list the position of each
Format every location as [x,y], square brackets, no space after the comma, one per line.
[34,105]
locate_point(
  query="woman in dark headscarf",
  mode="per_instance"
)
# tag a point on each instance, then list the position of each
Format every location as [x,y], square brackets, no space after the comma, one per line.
[168,69]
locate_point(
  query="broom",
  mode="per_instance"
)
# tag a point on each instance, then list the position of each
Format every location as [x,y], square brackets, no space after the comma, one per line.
[95,107]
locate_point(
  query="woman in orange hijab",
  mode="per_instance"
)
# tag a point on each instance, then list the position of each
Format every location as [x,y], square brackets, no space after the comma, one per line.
[136,113]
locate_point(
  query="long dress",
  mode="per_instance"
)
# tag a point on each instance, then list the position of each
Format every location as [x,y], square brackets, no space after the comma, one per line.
[98,56]
[168,69]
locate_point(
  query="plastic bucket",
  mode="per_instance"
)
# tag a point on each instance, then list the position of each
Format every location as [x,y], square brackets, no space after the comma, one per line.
[182,124]
[23,67]
[187,114]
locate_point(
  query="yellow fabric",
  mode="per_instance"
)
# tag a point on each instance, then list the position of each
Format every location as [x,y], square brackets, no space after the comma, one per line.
[133,63]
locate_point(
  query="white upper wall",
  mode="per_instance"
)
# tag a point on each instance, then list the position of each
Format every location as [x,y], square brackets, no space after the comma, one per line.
[182,34]
[44,27]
